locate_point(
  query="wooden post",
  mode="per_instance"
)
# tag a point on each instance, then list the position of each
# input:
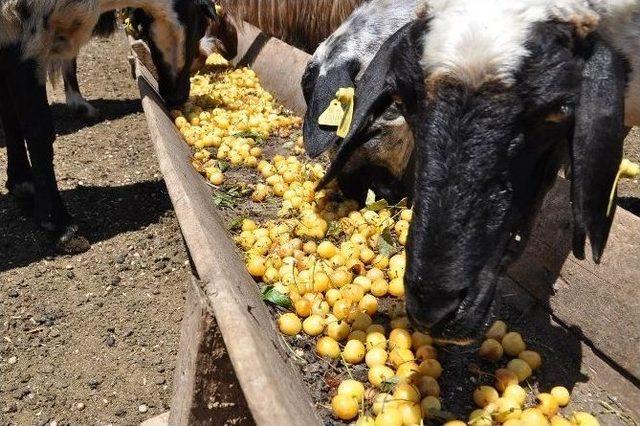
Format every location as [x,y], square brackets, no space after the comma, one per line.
[206,390]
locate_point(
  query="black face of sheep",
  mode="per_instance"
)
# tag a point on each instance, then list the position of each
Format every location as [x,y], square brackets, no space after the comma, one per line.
[487,153]
[174,72]
[337,63]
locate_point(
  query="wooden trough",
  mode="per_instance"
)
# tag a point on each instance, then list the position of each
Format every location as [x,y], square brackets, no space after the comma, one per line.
[233,367]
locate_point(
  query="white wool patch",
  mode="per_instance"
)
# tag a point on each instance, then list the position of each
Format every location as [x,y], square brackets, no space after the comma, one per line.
[478,40]
[362,34]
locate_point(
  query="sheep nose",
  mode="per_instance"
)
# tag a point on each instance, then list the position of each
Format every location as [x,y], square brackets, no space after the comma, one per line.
[434,315]
[418,325]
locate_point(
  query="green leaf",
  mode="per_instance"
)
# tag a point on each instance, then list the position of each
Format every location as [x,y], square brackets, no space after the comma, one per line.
[248,134]
[385,243]
[334,229]
[223,199]
[378,205]
[389,384]
[441,415]
[222,165]
[236,224]
[226,196]
[374,205]
[271,295]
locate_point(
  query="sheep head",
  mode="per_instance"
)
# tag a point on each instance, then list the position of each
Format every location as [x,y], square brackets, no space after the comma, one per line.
[491,125]
[172,29]
[337,63]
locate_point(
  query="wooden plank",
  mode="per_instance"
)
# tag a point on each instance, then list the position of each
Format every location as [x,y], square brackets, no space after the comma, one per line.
[279,65]
[274,391]
[206,390]
[600,301]
[570,362]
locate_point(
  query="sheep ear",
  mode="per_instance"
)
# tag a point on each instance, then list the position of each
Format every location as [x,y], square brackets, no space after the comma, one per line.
[597,145]
[320,90]
[373,95]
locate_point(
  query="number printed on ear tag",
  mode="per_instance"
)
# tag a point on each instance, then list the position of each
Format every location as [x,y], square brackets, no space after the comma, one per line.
[333,115]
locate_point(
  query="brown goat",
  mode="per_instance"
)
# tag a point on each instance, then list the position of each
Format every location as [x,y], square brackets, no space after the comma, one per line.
[304,24]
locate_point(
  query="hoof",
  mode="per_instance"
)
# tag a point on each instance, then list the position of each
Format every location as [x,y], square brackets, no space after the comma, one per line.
[89,112]
[72,242]
[82,108]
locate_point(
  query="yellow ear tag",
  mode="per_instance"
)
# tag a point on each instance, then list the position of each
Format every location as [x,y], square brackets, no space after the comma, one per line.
[333,115]
[340,111]
[628,170]
[346,97]
[218,9]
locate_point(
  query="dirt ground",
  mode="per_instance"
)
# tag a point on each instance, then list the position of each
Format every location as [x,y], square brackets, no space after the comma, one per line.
[629,191]
[92,339]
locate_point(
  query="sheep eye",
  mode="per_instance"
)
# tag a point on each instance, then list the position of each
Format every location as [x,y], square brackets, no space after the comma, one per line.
[560,115]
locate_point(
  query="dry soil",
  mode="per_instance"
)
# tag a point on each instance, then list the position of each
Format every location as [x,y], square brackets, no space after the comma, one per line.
[92,339]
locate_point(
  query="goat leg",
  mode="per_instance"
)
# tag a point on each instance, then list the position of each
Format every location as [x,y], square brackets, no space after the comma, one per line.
[29,97]
[75,101]
[19,178]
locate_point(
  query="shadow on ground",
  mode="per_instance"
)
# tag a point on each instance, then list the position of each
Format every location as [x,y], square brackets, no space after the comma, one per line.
[559,345]
[110,109]
[102,212]
[631,204]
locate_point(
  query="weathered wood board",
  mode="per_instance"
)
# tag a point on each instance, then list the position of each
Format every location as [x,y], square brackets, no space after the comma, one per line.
[274,392]
[279,65]
[206,389]
[601,301]
[569,361]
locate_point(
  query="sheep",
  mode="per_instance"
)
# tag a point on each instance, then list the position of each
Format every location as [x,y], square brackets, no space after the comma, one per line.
[382,163]
[35,34]
[494,91]
[221,37]
[303,24]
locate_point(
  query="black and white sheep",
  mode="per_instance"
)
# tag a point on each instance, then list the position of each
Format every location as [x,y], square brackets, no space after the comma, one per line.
[33,35]
[494,92]
[338,62]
